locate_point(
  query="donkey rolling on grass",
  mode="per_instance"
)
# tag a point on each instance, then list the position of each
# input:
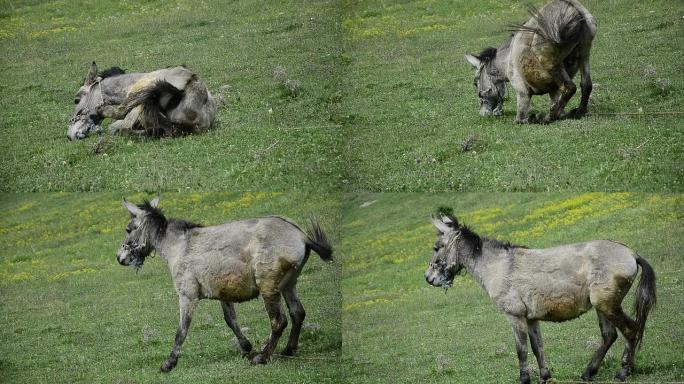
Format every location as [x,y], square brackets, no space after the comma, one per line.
[232,262]
[541,56]
[552,284]
[166,102]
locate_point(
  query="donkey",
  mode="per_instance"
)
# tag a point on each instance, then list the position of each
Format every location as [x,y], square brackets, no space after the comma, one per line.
[552,284]
[232,262]
[541,56]
[166,102]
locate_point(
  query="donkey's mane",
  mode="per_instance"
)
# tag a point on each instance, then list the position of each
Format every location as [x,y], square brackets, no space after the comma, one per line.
[488,54]
[111,72]
[502,244]
[476,241]
[156,219]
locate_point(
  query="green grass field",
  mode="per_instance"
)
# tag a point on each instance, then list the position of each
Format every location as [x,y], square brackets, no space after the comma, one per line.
[386,98]
[48,46]
[70,313]
[409,102]
[397,328]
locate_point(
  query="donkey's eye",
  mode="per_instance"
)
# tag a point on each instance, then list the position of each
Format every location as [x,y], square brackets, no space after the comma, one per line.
[76,101]
[435,249]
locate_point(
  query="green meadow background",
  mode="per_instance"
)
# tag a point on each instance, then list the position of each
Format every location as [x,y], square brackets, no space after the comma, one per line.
[71,314]
[397,328]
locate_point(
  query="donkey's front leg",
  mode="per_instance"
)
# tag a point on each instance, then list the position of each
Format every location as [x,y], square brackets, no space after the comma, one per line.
[519,325]
[187,307]
[278,324]
[538,349]
[523,107]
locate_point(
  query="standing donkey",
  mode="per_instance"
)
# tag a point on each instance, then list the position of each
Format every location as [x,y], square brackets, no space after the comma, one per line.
[232,262]
[552,284]
[541,56]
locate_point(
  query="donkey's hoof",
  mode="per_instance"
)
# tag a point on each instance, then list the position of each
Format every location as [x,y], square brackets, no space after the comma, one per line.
[622,374]
[288,351]
[167,366]
[258,359]
[245,347]
[576,113]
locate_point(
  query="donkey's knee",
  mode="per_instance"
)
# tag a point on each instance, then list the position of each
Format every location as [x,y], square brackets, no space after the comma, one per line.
[278,324]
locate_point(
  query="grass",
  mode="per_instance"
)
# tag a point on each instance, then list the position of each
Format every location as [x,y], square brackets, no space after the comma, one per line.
[70,313]
[396,328]
[409,102]
[269,139]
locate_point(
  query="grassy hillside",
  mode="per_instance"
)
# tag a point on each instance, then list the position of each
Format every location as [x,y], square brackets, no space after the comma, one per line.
[410,103]
[70,313]
[397,328]
[266,140]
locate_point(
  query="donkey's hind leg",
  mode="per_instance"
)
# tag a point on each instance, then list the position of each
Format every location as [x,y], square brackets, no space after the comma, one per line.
[538,349]
[609,334]
[297,315]
[278,324]
[229,316]
[628,328]
[566,88]
[586,86]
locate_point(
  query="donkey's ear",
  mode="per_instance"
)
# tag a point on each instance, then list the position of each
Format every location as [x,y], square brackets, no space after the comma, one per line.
[92,75]
[442,227]
[473,60]
[132,208]
[155,201]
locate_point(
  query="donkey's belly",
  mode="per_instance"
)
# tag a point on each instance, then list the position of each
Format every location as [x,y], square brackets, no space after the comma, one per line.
[233,287]
[564,308]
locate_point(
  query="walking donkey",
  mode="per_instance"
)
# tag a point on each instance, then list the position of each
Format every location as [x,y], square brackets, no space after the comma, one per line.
[232,262]
[166,102]
[552,284]
[541,56]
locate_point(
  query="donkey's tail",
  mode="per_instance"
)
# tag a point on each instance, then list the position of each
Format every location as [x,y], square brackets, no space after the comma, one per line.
[318,241]
[157,98]
[564,26]
[645,297]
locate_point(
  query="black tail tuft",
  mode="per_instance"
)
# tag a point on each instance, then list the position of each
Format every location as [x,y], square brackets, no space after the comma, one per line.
[563,26]
[645,297]
[154,117]
[318,241]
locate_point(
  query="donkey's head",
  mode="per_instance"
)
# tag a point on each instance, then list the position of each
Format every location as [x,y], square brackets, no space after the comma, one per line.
[490,82]
[146,227]
[85,120]
[455,244]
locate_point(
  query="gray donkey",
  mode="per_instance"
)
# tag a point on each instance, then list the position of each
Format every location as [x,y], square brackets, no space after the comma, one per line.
[232,262]
[552,284]
[166,102]
[541,56]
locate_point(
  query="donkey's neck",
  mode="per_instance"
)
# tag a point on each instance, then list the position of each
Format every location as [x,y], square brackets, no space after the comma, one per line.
[502,58]
[489,267]
[173,242]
